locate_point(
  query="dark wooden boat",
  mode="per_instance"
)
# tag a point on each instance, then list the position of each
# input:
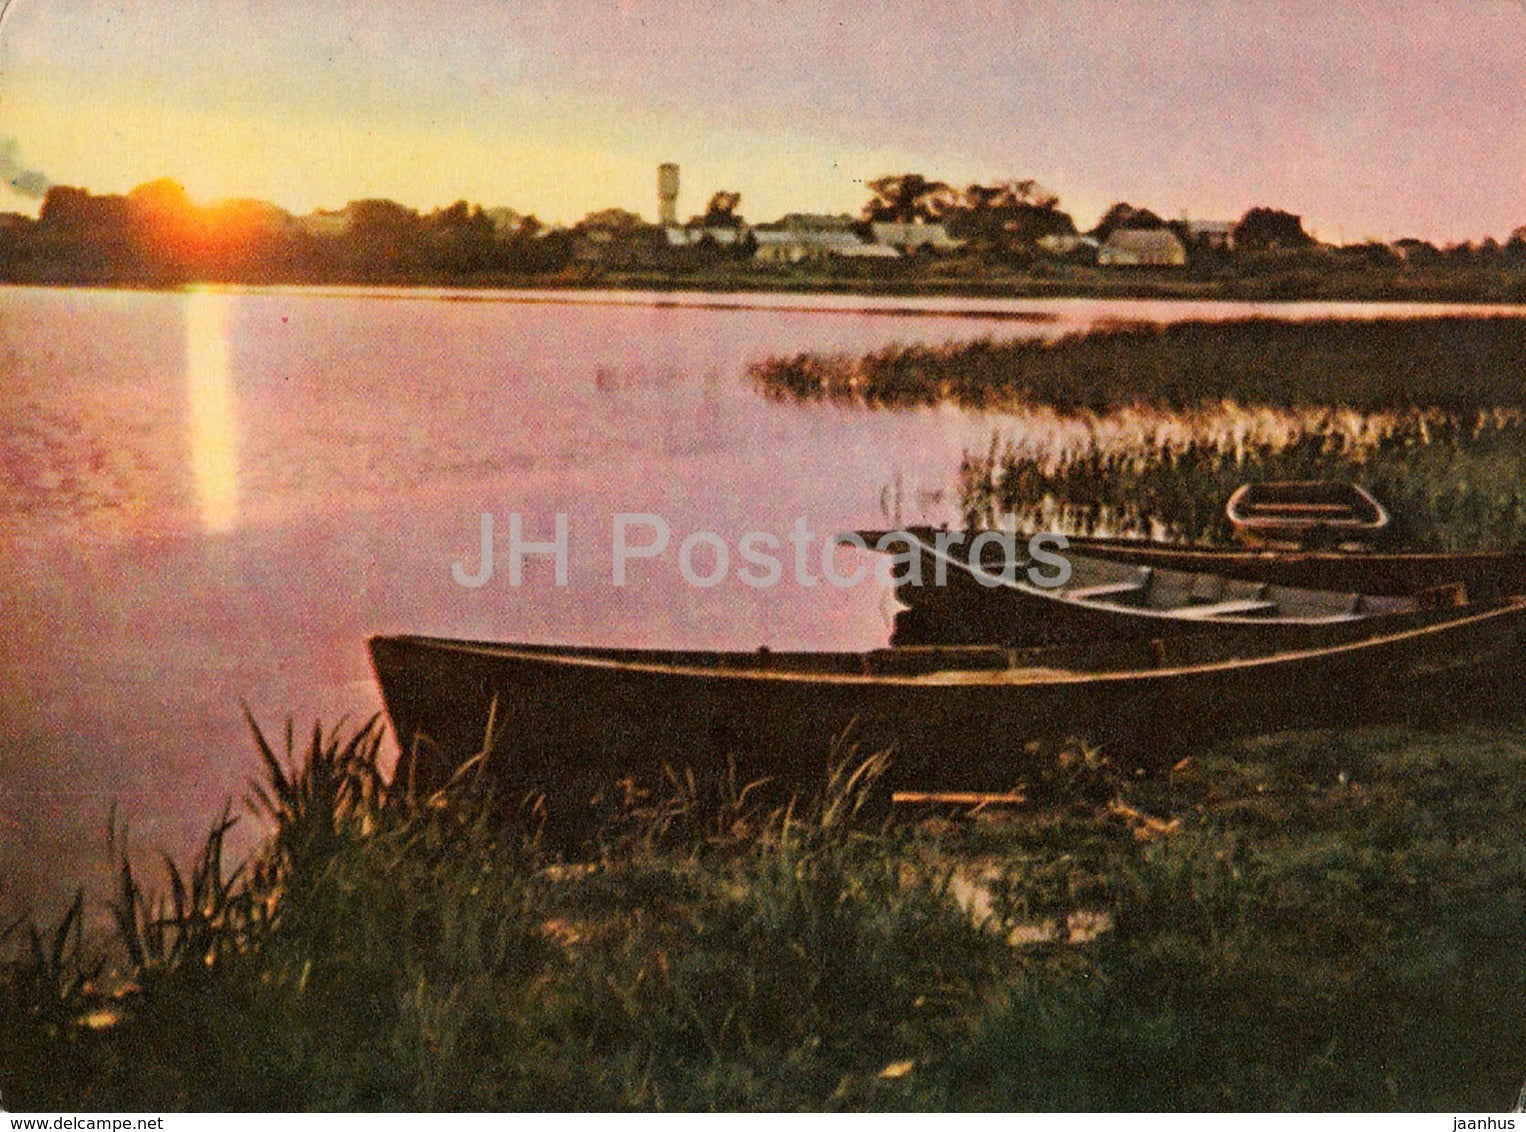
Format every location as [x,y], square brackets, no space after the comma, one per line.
[1484,574]
[983,592]
[1305,513]
[567,722]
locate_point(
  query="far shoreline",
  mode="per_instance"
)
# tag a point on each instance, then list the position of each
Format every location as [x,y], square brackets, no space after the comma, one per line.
[1136,287]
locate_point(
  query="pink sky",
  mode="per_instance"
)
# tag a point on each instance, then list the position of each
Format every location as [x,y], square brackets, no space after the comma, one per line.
[1370,119]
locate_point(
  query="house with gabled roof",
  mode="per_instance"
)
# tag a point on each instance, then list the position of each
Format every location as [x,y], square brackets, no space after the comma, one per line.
[908,238]
[1142,247]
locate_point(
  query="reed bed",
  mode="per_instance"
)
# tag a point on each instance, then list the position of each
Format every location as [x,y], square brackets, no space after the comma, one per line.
[1312,922]
[1146,429]
[1451,483]
[1460,364]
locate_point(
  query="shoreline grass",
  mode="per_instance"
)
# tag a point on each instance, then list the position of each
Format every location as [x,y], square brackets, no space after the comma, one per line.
[1456,364]
[1145,430]
[1450,484]
[1312,921]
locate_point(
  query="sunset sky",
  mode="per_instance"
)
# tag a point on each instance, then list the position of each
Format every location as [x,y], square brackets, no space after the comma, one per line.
[1384,119]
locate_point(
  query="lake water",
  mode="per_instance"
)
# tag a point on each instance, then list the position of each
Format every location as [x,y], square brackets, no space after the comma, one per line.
[210,497]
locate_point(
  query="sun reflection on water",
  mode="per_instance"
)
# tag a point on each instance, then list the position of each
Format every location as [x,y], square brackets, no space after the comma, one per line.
[214,456]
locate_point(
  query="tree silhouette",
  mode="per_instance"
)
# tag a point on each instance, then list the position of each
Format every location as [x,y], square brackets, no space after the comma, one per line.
[613,220]
[908,197]
[721,212]
[1125,215]
[1270,229]
[1008,195]
[1010,216]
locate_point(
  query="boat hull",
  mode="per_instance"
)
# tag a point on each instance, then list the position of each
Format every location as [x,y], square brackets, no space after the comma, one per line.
[566,724]
[1296,514]
[953,597]
[1487,575]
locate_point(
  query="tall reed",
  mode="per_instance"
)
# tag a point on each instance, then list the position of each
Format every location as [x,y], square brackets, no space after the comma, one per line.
[1324,921]
[1457,363]
[1450,484]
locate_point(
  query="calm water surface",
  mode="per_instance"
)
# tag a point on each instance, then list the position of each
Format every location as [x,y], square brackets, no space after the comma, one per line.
[215,496]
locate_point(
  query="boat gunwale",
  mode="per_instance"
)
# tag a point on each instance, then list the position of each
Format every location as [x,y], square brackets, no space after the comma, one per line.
[547,655]
[1259,524]
[1097,546]
[1172,616]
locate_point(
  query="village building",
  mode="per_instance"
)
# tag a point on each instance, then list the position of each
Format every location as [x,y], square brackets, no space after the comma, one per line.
[1066,243]
[801,237]
[866,251]
[1218,235]
[816,222]
[1142,247]
[703,235]
[908,238]
[777,245]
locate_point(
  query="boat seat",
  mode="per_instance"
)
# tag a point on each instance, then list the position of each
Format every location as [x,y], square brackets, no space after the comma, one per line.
[1225,608]
[1206,589]
[1293,510]
[1134,585]
[1439,597]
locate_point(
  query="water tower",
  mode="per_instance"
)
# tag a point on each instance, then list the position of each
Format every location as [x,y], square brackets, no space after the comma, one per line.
[667,194]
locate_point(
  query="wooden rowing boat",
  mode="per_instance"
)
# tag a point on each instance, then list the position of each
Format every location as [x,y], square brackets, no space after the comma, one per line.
[566,722]
[984,592]
[1484,574]
[1305,513]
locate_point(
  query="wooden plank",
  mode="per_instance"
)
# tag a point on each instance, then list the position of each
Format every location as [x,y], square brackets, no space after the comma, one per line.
[1223,608]
[1272,508]
[1107,589]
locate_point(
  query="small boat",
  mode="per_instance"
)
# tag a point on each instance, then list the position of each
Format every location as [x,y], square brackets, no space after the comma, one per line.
[1305,513]
[985,592]
[1484,574]
[567,723]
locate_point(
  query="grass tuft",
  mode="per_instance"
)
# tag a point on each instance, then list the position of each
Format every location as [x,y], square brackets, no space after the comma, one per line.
[1312,921]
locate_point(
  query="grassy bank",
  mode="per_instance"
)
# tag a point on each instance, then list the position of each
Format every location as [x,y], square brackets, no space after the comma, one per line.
[1459,365]
[1451,484]
[1312,922]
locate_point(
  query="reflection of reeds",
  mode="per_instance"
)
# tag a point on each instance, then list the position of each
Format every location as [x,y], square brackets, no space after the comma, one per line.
[1450,483]
[1456,363]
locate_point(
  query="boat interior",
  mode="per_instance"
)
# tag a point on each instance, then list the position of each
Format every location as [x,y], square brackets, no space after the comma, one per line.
[1104,584]
[1311,502]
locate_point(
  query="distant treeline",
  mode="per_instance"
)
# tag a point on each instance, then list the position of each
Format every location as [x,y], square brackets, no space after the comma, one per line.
[1459,364]
[155,234]
[1006,238]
